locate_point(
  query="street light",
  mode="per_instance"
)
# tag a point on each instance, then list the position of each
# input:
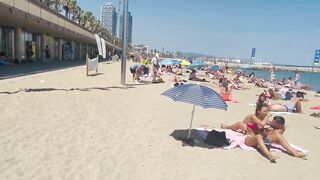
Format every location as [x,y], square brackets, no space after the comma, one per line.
[124,41]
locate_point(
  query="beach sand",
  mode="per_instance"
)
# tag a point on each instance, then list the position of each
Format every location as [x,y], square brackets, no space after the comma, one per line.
[69,126]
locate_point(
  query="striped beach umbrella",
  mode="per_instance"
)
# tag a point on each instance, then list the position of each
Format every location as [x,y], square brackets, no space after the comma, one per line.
[196,94]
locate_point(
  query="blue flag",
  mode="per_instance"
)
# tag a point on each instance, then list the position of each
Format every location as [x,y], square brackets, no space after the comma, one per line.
[253,53]
[317,56]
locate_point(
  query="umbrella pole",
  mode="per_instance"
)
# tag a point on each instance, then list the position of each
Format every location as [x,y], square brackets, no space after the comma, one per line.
[191,122]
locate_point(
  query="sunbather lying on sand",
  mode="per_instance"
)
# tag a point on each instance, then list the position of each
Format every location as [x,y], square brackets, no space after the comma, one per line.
[193,77]
[258,134]
[177,81]
[293,105]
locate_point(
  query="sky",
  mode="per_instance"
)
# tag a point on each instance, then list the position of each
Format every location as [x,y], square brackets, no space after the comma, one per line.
[282,31]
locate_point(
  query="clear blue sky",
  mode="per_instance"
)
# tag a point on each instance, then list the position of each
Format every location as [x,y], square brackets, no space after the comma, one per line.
[283,31]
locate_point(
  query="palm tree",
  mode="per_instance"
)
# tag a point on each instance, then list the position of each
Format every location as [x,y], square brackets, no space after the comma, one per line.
[78,14]
[73,8]
[85,19]
[66,7]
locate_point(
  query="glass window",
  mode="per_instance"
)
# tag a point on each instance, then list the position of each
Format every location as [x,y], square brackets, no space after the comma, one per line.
[1,39]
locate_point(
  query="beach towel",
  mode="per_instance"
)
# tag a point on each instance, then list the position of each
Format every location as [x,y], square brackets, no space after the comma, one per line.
[232,100]
[237,140]
[315,108]
[281,113]
[252,104]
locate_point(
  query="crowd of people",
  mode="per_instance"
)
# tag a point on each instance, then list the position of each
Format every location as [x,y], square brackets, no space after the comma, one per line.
[260,128]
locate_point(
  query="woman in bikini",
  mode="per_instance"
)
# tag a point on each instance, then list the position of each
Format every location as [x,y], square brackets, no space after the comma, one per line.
[257,133]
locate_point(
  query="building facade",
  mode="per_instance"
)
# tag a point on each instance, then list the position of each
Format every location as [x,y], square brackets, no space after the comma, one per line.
[129,27]
[28,27]
[108,17]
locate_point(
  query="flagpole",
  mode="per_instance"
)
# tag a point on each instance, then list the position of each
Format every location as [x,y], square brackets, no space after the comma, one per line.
[313,66]
[316,58]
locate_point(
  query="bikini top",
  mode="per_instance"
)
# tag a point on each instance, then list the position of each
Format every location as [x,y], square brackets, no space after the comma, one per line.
[254,127]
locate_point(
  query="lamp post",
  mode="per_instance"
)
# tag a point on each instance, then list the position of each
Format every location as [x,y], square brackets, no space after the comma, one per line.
[124,41]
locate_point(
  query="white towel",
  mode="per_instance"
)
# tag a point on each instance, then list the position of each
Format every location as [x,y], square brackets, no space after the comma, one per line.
[281,113]
[252,104]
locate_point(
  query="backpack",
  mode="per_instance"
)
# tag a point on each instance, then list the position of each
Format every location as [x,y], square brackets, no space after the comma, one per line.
[217,138]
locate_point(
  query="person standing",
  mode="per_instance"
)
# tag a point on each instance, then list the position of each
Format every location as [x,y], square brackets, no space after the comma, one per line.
[296,78]
[46,54]
[155,67]
[273,74]
[29,53]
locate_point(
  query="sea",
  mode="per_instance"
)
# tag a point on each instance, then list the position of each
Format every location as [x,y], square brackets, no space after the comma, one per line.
[312,79]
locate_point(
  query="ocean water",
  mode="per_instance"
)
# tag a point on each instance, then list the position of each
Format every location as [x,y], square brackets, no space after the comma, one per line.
[313,79]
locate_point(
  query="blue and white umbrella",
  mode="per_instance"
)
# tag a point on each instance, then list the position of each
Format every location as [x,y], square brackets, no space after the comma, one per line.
[196,94]
[197,65]
[169,62]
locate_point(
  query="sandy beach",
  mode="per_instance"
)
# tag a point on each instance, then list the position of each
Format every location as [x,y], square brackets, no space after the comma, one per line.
[64,125]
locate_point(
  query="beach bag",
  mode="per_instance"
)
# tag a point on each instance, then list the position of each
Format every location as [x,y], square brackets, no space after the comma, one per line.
[288,96]
[300,94]
[216,138]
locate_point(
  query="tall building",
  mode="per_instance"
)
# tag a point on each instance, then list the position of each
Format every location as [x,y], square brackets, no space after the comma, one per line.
[108,17]
[129,30]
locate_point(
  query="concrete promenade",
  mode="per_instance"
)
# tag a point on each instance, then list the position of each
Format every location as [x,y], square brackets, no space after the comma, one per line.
[7,72]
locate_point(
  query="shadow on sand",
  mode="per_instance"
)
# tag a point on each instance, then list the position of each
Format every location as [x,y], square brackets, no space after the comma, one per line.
[93,75]
[7,72]
[71,89]
[196,135]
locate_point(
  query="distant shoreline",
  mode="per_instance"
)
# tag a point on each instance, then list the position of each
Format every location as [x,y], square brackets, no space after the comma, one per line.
[280,67]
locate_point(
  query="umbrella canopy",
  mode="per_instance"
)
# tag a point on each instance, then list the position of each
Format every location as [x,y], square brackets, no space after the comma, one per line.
[169,62]
[215,68]
[196,65]
[185,63]
[196,94]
